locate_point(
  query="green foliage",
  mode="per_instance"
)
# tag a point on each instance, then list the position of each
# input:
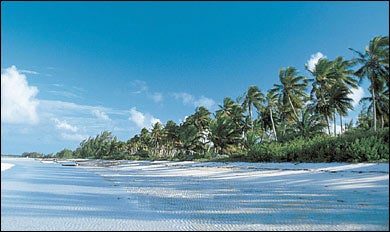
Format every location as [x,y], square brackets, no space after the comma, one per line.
[33,154]
[65,154]
[267,152]
[354,146]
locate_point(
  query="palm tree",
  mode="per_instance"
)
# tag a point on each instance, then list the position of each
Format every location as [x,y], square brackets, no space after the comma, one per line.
[145,140]
[271,101]
[321,85]
[234,111]
[202,123]
[188,138]
[343,76]
[227,107]
[157,137]
[171,135]
[133,145]
[253,98]
[201,118]
[374,66]
[310,124]
[224,133]
[382,106]
[291,89]
[340,101]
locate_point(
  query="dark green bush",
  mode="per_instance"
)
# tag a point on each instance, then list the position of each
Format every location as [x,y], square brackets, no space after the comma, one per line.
[357,145]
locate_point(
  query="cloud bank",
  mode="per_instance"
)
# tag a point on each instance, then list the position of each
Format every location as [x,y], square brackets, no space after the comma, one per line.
[64,125]
[142,120]
[101,115]
[18,102]
[189,99]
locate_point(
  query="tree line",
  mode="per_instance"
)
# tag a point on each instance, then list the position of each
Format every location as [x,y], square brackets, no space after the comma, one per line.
[258,126]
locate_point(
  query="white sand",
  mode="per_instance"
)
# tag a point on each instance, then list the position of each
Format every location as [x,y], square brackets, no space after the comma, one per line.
[5,166]
[142,195]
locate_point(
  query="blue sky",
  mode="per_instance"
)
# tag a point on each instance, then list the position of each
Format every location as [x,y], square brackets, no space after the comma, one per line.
[74,69]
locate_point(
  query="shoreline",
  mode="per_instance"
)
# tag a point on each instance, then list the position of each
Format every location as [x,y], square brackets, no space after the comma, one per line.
[6,166]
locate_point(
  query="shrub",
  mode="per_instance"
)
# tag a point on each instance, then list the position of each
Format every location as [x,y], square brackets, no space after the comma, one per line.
[357,145]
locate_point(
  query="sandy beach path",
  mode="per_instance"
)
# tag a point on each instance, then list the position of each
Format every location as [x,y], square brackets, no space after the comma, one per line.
[142,195]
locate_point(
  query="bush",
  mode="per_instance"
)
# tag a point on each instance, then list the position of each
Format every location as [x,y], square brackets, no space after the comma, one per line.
[357,145]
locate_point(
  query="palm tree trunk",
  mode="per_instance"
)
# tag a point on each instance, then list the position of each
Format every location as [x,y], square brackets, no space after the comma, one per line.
[327,123]
[273,125]
[341,123]
[334,122]
[250,115]
[295,113]
[382,122]
[374,108]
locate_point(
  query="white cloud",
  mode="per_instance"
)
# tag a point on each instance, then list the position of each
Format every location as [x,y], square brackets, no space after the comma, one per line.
[189,99]
[101,115]
[142,120]
[64,125]
[137,117]
[314,60]
[18,102]
[206,102]
[154,121]
[140,86]
[73,137]
[186,98]
[29,72]
[157,97]
[356,95]
[64,94]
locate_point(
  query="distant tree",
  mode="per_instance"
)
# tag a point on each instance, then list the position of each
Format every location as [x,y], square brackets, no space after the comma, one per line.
[65,154]
[224,133]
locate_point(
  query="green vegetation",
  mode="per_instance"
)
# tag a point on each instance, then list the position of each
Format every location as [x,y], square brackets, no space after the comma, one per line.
[290,123]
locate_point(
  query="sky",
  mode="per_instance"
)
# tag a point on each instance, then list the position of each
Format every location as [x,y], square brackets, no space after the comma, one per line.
[70,70]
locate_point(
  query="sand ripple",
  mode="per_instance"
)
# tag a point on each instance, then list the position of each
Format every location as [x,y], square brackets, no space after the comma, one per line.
[172,196]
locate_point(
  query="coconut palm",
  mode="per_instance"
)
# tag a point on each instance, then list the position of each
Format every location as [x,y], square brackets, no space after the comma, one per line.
[234,111]
[382,106]
[340,101]
[157,137]
[310,124]
[201,118]
[171,136]
[188,138]
[374,66]
[321,85]
[344,81]
[224,133]
[271,101]
[291,90]
[202,122]
[145,140]
[253,98]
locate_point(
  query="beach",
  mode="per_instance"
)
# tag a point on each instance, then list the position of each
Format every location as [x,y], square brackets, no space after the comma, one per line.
[182,196]
[5,166]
